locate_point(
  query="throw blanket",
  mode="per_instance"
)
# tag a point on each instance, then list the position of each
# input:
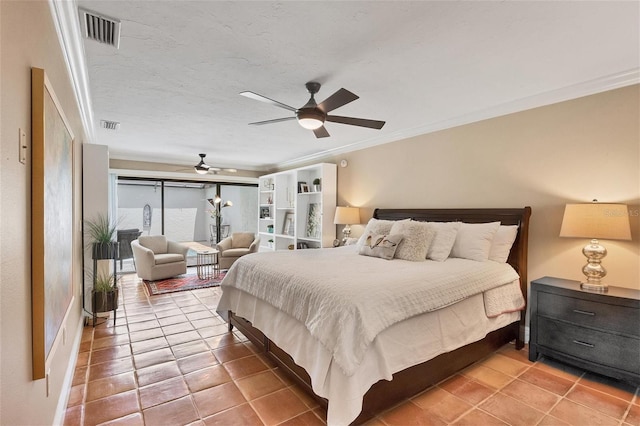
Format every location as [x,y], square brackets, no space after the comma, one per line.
[345,299]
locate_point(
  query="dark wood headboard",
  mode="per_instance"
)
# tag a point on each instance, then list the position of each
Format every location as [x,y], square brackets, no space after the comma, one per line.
[520,217]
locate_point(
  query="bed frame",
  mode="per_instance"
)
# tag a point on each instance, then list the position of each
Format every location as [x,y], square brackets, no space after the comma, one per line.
[413,380]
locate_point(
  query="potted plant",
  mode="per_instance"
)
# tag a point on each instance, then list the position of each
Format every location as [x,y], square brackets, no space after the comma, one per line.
[270,243]
[270,229]
[101,231]
[316,185]
[104,295]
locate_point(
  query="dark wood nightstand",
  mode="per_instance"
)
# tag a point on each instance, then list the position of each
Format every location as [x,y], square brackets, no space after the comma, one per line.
[599,332]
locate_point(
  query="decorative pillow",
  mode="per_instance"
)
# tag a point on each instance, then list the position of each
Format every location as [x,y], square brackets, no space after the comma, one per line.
[378,226]
[502,242]
[443,239]
[416,239]
[473,240]
[383,246]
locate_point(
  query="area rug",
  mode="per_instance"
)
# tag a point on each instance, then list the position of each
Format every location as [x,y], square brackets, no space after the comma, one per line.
[181,283]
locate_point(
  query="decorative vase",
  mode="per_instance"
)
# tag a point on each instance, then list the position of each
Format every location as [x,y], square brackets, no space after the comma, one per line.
[317,188]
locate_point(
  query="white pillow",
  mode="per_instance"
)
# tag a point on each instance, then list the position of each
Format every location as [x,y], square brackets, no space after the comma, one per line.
[474,240]
[417,237]
[502,242]
[443,240]
[377,227]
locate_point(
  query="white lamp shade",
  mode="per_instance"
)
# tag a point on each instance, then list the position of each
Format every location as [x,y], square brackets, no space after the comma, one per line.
[596,220]
[347,216]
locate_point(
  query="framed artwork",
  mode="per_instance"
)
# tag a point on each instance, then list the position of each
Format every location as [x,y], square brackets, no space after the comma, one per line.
[313,221]
[51,221]
[300,186]
[304,188]
[288,227]
[265,212]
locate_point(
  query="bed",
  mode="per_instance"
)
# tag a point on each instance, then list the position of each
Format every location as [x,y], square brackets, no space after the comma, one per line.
[361,369]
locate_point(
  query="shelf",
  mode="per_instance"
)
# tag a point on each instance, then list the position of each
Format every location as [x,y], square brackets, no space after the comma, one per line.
[309,239]
[267,218]
[284,236]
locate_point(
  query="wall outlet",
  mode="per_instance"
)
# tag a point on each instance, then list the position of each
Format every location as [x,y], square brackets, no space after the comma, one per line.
[22,146]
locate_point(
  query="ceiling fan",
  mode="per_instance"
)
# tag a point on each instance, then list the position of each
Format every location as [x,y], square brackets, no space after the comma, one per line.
[312,116]
[203,168]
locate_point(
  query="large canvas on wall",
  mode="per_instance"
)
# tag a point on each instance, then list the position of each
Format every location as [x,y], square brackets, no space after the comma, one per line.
[51,219]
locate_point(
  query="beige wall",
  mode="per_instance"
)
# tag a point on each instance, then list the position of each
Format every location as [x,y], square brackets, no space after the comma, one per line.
[28,39]
[568,152]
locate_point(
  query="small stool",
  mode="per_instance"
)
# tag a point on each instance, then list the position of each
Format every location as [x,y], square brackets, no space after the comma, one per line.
[207,266]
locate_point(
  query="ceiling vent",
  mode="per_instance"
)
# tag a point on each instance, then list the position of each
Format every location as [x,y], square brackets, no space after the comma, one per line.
[100,28]
[110,125]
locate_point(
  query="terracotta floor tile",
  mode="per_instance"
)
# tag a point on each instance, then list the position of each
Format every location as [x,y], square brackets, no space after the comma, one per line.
[521,355]
[504,364]
[244,366]
[161,392]
[76,395]
[197,362]
[177,328]
[207,378]
[531,395]
[547,381]
[191,348]
[111,368]
[157,356]
[604,403]
[304,419]
[174,319]
[187,336]
[109,354]
[441,403]
[577,414]
[223,340]
[304,396]
[231,352]
[202,314]
[633,416]
[258,385]
[487,376]
[552,421]
[149,345]
[409,414]
[279,406]
[157,373]
[134,419]
[178,412]
[215,330]
[106,342]
[241,415]
[557,368]
[467,389]
[511,411]
[142,322]
[110,385]
[137,336]
[111,407]
[110,331]
[73,416]
[219,398]
[83,359]
[479,418]
[608,385]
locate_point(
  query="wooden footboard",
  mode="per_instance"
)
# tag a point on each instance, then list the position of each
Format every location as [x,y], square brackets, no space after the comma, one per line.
[406,383]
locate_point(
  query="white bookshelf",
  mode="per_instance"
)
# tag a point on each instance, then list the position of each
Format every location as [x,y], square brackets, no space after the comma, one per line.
[286,206]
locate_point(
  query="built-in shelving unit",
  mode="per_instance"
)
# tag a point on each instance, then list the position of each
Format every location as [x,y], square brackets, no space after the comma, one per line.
[295,212]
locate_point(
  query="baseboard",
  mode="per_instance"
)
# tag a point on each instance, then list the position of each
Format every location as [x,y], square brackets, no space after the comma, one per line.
[63,400]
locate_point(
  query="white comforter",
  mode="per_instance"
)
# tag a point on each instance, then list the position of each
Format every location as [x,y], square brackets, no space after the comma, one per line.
[345,300]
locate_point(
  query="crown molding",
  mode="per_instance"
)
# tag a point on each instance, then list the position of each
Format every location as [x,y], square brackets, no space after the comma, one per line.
[65,18]
[591,87]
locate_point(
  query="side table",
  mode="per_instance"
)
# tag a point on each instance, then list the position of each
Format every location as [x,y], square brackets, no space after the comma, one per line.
[207,265]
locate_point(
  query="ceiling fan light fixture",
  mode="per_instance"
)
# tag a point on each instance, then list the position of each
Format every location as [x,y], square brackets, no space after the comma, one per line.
[310,118]
[201,170]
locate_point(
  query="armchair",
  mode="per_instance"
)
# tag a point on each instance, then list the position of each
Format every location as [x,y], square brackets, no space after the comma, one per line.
[157,258]
[236,246]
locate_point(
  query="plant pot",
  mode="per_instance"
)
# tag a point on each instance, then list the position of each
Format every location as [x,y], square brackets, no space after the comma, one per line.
[317,188]
[104,301]
[104,250]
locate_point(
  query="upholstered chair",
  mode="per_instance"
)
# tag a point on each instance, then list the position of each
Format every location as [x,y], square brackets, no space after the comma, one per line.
[157,258]
[235,246]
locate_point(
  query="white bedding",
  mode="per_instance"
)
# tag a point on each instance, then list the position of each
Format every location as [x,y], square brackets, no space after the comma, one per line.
[345,300]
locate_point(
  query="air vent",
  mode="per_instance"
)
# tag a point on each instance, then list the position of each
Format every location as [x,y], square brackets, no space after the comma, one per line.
[110,125]
[100,28]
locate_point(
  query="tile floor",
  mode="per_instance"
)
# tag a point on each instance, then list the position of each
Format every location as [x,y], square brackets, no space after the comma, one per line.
[170,361]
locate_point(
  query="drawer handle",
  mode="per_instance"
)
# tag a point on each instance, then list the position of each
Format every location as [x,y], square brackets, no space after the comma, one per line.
[578,311]
[578,342]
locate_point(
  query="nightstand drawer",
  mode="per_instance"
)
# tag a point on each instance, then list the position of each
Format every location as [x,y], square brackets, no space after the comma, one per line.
[590,345]
[618,319]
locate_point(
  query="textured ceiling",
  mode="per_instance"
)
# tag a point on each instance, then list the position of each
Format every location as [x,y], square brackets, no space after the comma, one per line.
[174,83]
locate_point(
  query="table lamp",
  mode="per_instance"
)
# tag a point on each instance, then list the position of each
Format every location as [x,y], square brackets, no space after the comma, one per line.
[346,216]
[595,220]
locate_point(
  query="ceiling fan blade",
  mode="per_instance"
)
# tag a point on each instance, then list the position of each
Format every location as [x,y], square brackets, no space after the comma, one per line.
[261,98]
[338,99]
[321,132]
[373,124]
[275,120]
